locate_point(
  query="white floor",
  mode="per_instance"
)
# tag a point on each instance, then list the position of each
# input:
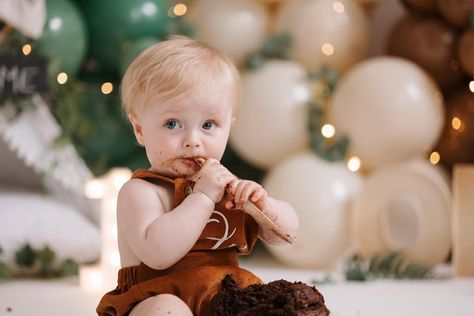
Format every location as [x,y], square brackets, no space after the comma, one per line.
[452,296]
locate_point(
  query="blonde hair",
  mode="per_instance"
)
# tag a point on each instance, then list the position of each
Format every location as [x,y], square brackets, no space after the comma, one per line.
[171,67]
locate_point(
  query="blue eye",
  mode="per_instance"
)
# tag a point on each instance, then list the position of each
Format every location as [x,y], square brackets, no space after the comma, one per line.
[208,125]
[172,124]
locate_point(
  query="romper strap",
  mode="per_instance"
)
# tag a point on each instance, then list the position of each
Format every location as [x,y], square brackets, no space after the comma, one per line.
[182,187]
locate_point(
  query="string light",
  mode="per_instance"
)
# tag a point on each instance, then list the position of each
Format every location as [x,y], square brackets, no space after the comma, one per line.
[435,157]
[456,123]
[327,49]
[62,78]
[338,7]
[94,189]
[180,9]
[26,49]
[106,88]
[471,86]
[354,164]
[328,130]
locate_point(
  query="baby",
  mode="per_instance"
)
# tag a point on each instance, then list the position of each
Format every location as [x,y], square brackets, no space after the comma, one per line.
[180,227]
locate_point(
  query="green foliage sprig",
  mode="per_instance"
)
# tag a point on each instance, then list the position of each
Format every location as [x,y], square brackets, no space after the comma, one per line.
[274,47]
[325,81]
[393,265]
[38,263]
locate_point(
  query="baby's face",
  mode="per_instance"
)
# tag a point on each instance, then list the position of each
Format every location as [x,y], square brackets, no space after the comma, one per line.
[193,124]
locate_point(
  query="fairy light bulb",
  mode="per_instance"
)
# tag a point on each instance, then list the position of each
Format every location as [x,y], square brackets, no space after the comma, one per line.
[328,130]
[62,78]
[327,49]
[338,7]
[435,157]
[94,189]
[26,49]
[354,164]
[180,9]
[106,88]
[456,123]
[471,86]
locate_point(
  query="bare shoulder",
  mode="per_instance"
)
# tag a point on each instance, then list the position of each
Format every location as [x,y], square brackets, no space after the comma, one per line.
[141,196]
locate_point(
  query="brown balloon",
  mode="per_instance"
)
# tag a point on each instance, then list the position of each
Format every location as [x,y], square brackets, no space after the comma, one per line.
[431,43]
[456,144]
[466,52]
[421,5]
[456,12]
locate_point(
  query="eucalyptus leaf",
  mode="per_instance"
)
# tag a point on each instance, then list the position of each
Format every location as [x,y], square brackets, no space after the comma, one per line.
[25,256]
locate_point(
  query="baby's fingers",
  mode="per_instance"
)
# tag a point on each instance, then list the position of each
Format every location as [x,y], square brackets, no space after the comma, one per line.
[247,189]
[258,194]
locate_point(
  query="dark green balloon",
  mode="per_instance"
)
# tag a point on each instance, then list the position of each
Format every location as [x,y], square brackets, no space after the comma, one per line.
[111,23]
[64,40]
[111,138]
[131,50]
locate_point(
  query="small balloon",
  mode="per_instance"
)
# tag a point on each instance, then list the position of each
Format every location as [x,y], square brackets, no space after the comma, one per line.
[110,25]
[325,32]
[456,12]
[466,52]
[235,27]
[64,39]
[430,42]
[131,50]
[273,115]
[404,208]
[321,193]
[457,142]
[390,110]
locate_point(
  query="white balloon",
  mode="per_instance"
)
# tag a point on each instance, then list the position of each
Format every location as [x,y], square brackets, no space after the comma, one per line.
[406,208]
[325,32]
[320,192]
[390,110]
[272,119]
[236,27]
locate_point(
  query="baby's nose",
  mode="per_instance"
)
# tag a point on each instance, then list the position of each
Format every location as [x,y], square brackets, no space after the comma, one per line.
[192,141]
[191,144]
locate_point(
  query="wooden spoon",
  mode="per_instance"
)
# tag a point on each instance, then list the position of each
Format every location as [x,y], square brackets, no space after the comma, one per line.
[261,219]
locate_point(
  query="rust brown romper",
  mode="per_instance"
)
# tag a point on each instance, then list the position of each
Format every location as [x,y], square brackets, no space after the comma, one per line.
[197,277]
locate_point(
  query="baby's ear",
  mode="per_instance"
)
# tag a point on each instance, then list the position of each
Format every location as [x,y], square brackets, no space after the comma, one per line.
[137,128]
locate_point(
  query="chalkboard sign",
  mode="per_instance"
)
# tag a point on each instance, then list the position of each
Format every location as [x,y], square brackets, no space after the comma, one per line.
[22,75]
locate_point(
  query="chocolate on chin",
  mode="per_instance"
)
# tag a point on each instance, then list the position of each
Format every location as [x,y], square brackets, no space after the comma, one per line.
[275,298]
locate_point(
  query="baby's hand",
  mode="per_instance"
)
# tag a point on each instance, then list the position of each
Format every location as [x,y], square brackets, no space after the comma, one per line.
[212,179]
[246,190]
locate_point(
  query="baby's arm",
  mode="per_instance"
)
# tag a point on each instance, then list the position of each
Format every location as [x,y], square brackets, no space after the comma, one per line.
[280,212]
[159,238]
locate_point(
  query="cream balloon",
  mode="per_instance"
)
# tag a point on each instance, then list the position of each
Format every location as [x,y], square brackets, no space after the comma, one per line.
[321,193]
[272,118]
[390,110]
[404,207]
[325,32]
[236,27]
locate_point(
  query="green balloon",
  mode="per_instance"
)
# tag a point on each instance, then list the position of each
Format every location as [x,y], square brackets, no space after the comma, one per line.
[112,137]
[64,39]
[131,50]
[111,23]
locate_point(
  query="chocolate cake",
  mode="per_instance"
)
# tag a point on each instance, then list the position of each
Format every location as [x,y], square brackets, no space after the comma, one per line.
[277,298]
